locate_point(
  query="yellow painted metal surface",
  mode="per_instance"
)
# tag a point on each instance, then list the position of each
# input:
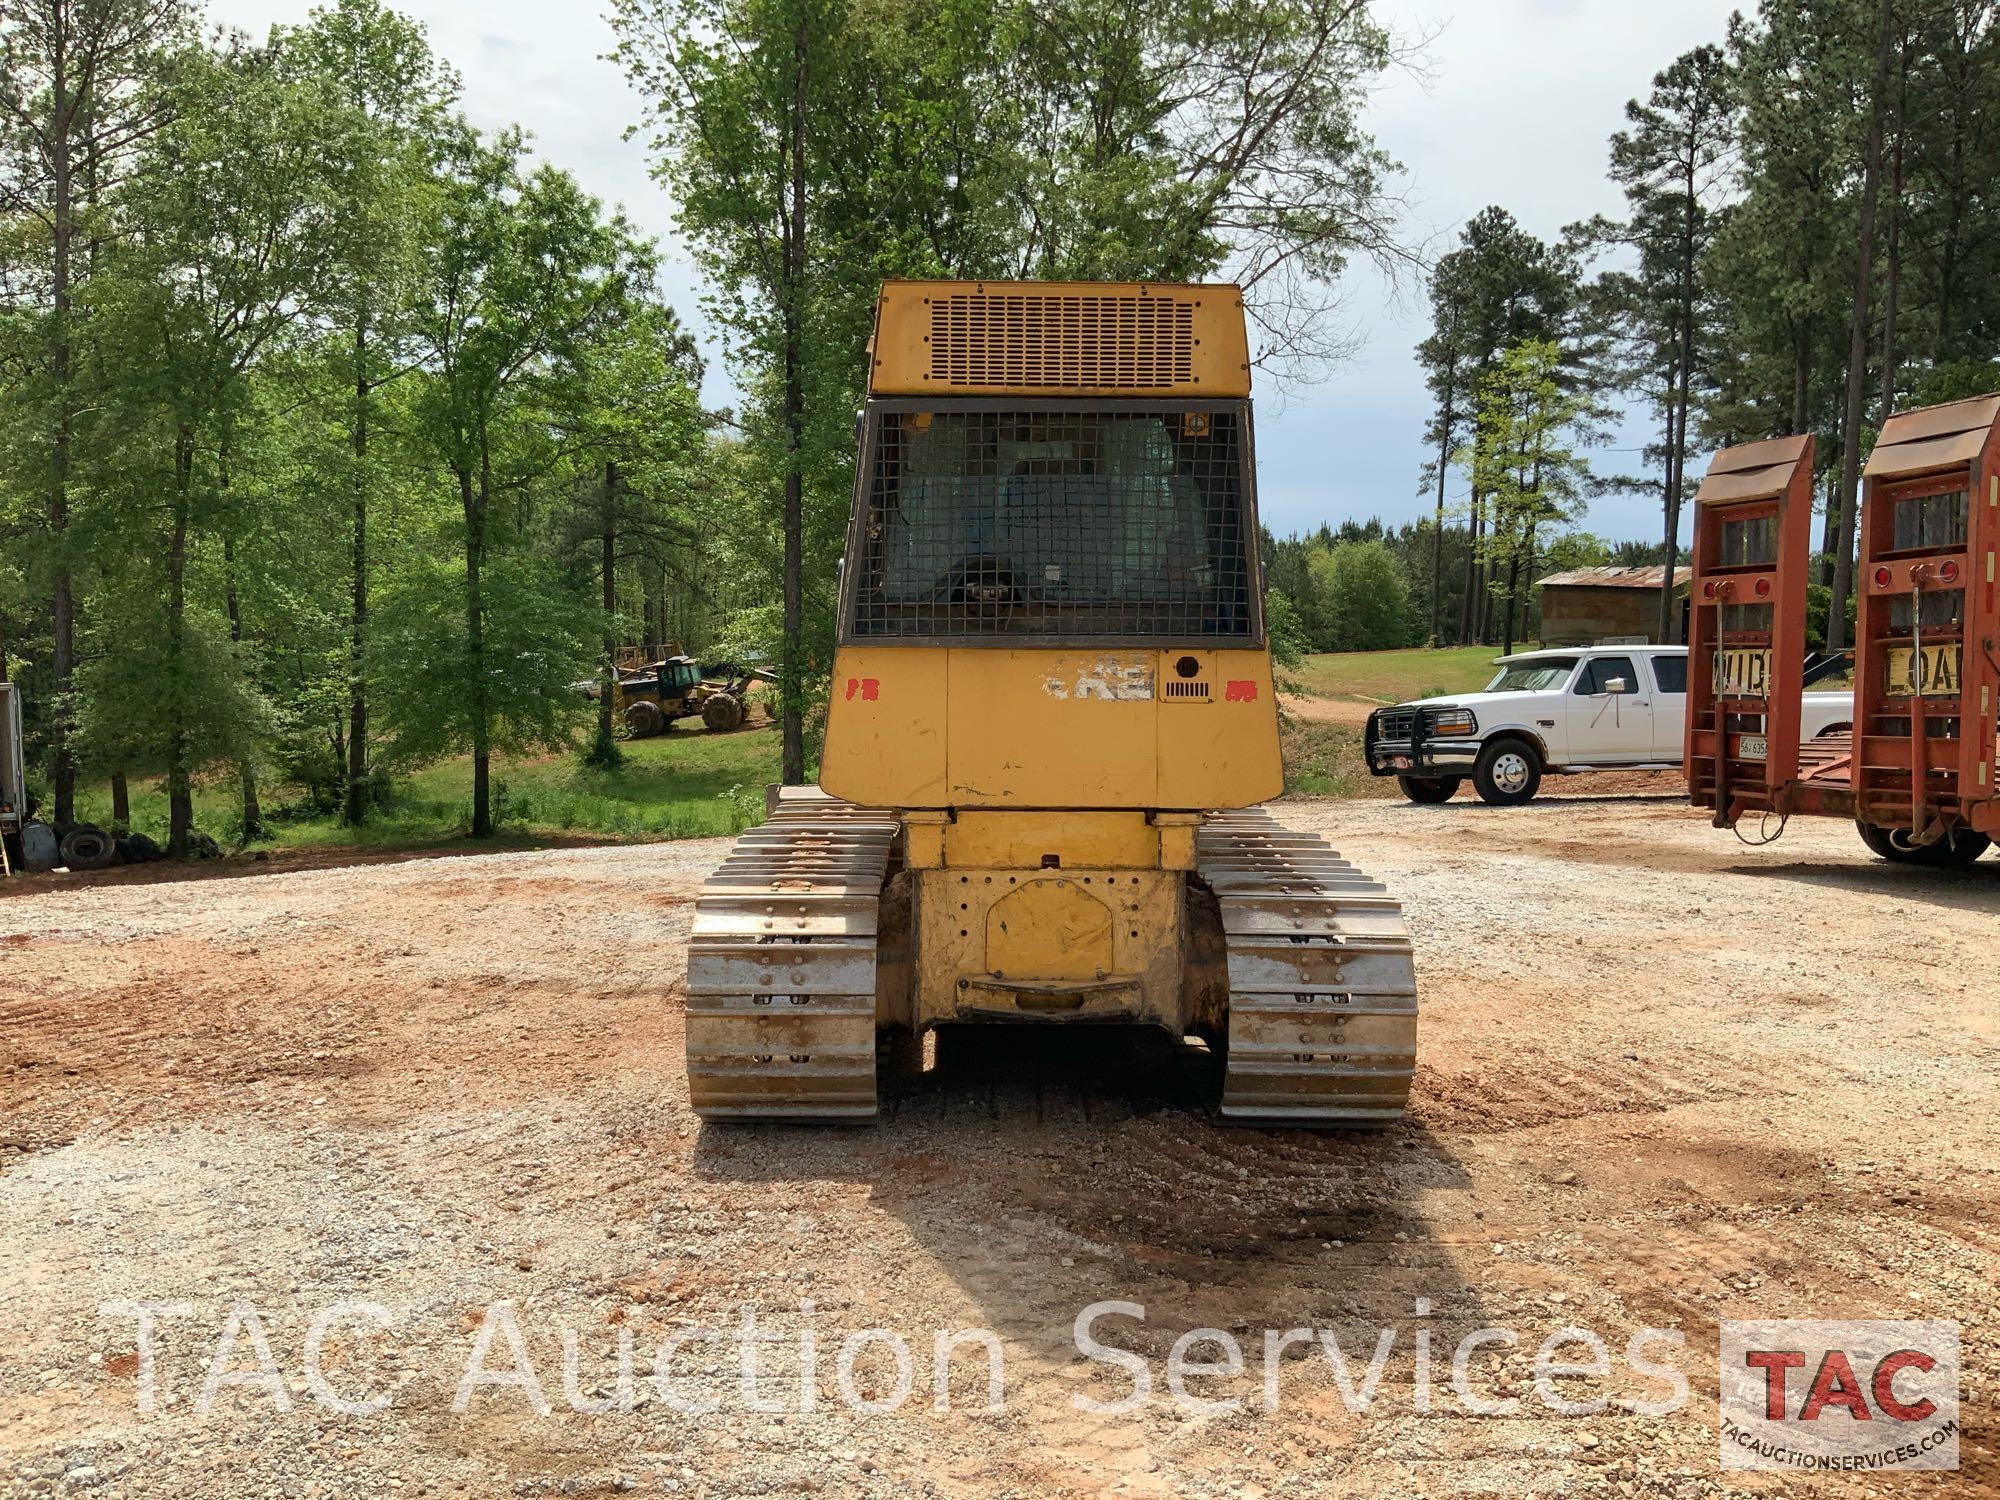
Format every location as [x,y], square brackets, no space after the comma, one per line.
[885,728]
[1058,338]
[973,727]
[1940,674]
[1026,840]
[1069,944]
[1049,929]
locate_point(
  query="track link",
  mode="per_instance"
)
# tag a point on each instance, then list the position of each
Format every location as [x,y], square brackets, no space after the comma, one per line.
[781,966]
[1322,984]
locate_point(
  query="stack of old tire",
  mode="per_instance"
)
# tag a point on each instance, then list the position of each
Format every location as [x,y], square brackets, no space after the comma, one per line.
[79,846]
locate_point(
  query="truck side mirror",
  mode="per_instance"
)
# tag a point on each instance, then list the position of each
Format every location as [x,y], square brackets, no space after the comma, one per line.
[1617,685]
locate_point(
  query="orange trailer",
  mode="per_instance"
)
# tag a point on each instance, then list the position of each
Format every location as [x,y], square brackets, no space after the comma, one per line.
[1917,772]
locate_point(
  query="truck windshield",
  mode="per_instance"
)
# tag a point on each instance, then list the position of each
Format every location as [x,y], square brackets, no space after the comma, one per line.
[1056,522]
[1532,676]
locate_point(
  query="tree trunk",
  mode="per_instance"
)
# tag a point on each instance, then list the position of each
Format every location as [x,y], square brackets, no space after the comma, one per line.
[793,689]
[473,501]
[63,602]
[1682,399]
[1468,607]
[253,810]
[1893,272]
[1857,350]
[1671,510]
[606,749]
[121,803]
[180,789]
[1802,379]
[1437,528]
[356,808]
[1486,575]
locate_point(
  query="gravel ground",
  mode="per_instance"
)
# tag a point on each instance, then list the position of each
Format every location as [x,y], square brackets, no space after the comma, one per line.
[1666,1079]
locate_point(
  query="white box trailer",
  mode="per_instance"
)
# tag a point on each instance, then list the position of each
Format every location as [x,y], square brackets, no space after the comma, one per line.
[13,770]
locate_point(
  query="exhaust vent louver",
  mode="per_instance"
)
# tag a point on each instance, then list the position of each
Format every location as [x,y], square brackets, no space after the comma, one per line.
[1062,340]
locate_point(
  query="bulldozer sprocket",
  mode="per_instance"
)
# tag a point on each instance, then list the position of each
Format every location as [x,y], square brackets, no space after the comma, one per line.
[781,967]
[1322,983]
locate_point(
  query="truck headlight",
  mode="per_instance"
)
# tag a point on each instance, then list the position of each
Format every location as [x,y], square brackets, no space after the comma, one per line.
[1453,721]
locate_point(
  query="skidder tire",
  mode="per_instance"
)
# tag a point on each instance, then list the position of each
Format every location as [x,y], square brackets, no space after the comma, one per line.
[88,847]
[1509,773]
[1429,790]
[644,719]
[722,713]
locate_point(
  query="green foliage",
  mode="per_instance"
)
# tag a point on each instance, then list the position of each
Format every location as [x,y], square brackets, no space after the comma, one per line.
[1365,598]
[813,147]
[1288,637]
[514,694]
[1957,381]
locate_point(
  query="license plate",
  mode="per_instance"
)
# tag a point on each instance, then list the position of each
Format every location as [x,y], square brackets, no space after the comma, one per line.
[1940,671]
[1743,672]
[1752,747]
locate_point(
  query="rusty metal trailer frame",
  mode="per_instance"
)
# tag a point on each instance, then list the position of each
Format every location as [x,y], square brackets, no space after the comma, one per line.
[1921,759]
[1747,625]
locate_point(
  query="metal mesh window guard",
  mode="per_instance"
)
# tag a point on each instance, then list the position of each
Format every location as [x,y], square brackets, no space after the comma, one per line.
[1080,524]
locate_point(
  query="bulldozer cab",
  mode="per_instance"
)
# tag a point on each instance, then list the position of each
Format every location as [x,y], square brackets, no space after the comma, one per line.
[1054,542]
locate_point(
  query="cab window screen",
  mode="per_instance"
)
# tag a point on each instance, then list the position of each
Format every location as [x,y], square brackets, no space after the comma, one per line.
[1054,523]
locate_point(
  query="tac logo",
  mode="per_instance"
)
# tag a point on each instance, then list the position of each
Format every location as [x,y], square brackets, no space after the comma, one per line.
[1836,1396]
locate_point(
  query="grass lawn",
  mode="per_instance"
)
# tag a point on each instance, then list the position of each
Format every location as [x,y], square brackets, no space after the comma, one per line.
[692,784]
[1396,676]
[686,783]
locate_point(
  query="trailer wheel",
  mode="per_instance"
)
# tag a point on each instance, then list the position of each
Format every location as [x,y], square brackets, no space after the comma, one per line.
[1429,789]
[88,847]
[1508,773]
[722,713]
[1954,851]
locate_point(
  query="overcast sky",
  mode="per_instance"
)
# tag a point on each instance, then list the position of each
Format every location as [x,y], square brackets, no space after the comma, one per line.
[1515,106]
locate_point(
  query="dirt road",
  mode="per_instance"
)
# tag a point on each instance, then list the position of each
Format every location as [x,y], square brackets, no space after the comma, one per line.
[1666,1079]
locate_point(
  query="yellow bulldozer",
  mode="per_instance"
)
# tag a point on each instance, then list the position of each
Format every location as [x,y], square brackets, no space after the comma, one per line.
[1051,720]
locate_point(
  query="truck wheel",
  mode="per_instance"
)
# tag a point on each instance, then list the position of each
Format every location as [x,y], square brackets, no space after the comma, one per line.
[88,847]
[1508,773]
[1429,789]
[722,713]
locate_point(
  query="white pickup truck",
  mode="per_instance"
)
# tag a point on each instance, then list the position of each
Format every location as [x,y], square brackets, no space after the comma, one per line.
[1587,708]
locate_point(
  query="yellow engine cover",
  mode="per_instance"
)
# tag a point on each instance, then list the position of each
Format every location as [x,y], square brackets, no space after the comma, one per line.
[988,727]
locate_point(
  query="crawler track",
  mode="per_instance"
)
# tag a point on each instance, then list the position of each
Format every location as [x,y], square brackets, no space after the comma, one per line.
[1322,985]
[781,967]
